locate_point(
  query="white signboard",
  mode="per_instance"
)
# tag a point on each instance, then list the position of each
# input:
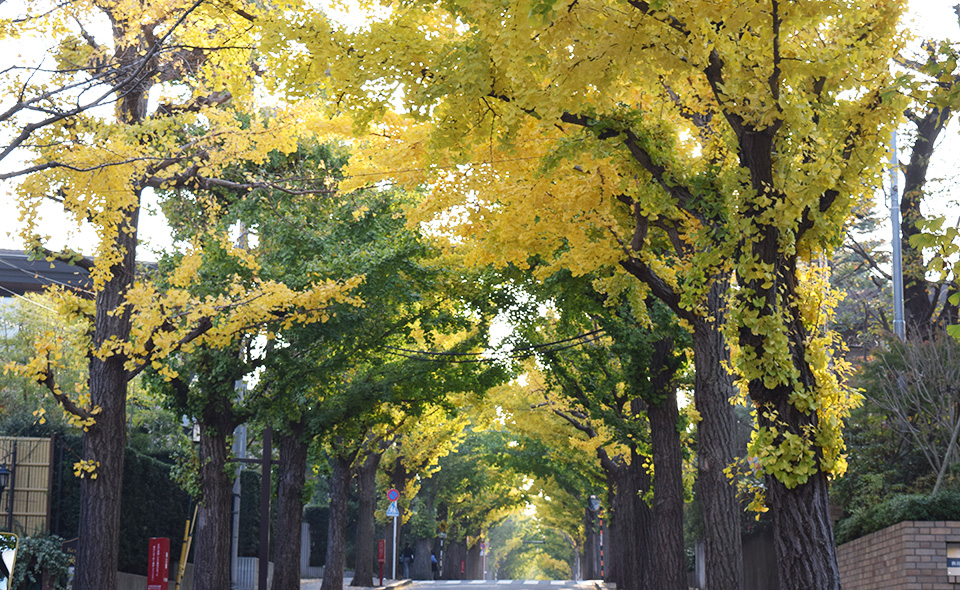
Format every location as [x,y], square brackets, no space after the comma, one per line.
[953,559]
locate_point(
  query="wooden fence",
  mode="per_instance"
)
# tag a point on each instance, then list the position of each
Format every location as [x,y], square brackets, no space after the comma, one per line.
[25,503]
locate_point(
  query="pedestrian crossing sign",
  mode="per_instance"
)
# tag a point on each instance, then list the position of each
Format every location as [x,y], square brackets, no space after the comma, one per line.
[393,510]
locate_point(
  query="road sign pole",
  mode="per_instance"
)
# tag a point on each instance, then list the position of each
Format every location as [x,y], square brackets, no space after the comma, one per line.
[393,495]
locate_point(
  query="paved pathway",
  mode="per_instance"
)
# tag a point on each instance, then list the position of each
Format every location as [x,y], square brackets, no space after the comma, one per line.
[314,584]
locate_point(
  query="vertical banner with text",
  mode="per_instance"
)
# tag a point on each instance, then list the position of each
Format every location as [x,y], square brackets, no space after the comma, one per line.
[158,567]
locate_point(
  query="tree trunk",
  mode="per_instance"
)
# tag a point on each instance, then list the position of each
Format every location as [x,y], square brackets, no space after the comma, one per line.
[367,526]
[669,566]
[474,563]
[803,537]
[918,305]
[292,477]
[420,568]
[105,440]
[212,557]
[589,563]
[454,555]
[716,449]
[103,443]
[627,557]
[337,527]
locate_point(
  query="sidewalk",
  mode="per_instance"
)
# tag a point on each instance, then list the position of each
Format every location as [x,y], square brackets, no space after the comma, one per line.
[314,584]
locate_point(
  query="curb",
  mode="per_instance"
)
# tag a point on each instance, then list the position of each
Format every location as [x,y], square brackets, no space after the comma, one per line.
[397,584]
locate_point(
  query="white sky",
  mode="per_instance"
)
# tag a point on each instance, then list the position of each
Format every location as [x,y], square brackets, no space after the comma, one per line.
[931,19]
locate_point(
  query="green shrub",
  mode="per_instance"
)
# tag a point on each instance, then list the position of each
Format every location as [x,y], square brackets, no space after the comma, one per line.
[899,508]
[37,555]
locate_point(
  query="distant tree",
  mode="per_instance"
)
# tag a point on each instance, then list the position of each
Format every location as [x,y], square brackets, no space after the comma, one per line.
[180,77]
[917,383]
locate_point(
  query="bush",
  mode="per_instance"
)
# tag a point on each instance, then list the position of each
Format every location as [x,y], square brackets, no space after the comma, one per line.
[899,508]
[152,505]
[38,555]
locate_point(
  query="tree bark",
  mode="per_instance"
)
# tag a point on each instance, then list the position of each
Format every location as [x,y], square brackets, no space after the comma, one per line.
[366,528]
[420,568]
[589,563]
[474,569]
[918,305]
[803,535]
[627,558]
[337,527]
[292,477]
[212,550]
[669,566]
[104,441]
[455,554]
[716,449]
[802,518]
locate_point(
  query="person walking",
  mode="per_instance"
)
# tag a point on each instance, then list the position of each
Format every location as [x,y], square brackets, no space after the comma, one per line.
[406,558]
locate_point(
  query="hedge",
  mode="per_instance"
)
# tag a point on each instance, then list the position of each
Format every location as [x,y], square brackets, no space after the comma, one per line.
[899,508]
[151,505]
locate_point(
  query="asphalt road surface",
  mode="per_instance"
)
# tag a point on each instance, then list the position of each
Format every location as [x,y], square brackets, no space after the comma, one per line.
[501,585]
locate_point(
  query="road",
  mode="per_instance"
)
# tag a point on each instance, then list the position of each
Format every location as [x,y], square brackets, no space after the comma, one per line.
[501,585]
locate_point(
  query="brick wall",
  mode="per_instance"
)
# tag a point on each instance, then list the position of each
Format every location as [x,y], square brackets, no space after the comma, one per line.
[911,555]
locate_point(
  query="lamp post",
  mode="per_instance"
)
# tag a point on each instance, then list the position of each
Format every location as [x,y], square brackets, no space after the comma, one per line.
[4,478]
[596,559]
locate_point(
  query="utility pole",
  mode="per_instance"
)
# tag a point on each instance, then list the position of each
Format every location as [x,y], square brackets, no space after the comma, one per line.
[899,325]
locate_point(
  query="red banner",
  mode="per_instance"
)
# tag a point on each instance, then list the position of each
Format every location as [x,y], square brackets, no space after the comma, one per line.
[158,568]
[381,550]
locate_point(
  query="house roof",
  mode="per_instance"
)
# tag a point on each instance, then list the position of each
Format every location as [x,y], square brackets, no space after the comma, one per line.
[20,275]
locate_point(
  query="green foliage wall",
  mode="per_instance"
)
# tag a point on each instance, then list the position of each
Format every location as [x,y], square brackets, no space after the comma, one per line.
[152,504]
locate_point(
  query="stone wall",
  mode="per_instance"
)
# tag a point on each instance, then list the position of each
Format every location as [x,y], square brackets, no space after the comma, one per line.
[911,555]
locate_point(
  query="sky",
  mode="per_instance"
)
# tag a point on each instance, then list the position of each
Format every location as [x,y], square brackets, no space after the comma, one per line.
[930,19]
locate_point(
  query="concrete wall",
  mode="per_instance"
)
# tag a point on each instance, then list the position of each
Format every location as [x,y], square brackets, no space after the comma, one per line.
[911,555]
[127,581]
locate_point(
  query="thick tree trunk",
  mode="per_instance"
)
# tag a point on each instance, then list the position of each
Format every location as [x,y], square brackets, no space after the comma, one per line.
[716,449]
[104,441]
[627,548]
[292,477]
[212,539]
[669,566]
[420,569]
[806,554]
[367,526]
[104,445]
[454,555]
[337,527]
[803,533]
[589,563]
[474,563]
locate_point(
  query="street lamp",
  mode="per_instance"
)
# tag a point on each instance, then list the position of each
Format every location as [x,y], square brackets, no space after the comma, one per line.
[593,505]
[4,477]
[4,480]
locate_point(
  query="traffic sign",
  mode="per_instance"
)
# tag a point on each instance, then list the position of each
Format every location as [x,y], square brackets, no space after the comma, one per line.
[393,495]
[393,510]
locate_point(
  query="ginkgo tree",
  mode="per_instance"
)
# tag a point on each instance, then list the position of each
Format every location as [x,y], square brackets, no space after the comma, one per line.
[180,78]
[735,137]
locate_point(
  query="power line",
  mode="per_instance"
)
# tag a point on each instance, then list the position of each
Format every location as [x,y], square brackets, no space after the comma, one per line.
[516,353]
[36,274]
